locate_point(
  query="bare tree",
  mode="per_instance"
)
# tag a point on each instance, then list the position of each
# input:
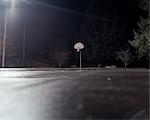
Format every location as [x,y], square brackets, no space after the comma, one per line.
[60,56]
[125,56]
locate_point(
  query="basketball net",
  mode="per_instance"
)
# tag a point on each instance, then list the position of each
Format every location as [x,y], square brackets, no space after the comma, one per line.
[78,49]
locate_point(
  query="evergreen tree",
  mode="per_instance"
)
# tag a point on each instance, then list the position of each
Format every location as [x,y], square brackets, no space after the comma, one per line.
[141,40]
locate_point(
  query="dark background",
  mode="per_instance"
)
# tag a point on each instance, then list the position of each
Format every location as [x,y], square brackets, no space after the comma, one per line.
[59,22]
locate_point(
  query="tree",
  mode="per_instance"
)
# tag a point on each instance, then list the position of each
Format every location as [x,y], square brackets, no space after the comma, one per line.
[125,56]
[98,33]
[60,56]
[141,40]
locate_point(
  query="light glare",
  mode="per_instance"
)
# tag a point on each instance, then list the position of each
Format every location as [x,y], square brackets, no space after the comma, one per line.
[13,3]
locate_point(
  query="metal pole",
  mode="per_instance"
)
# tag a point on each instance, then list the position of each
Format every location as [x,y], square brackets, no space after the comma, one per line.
[24,44]
[4,38]
[80,60]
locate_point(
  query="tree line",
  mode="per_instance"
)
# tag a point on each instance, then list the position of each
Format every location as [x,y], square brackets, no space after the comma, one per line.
[105,37]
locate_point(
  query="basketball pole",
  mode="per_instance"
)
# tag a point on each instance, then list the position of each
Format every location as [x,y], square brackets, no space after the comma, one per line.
[79,46]
[80,60]
[24,44]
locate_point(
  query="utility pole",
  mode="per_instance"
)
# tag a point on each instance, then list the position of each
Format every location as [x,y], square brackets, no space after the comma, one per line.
[24,44]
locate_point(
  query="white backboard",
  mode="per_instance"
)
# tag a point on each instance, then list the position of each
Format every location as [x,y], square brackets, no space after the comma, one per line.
[78,46]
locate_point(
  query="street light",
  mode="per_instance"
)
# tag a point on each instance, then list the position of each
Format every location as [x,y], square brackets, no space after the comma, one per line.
[12,3]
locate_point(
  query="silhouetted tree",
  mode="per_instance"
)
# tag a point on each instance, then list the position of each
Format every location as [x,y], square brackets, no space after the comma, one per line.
[98,32]
[125,56]
[60,56]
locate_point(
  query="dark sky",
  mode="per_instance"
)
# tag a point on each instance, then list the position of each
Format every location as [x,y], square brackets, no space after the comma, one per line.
[56,21]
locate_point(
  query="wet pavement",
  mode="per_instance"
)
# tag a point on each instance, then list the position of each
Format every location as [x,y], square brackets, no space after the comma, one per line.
[62,94]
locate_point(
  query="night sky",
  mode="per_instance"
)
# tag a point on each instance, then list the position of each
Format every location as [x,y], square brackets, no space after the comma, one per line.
[59,21]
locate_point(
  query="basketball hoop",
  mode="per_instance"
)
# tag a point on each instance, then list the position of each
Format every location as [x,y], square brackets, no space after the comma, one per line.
[79,46]
[78,49]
